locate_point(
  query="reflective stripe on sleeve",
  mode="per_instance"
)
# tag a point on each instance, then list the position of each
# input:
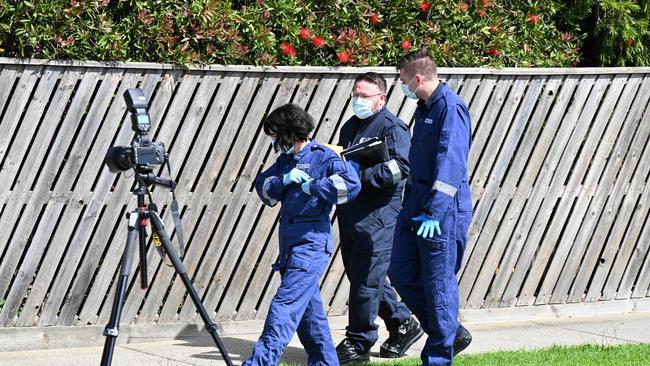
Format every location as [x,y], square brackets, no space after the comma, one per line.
[394,170]
[265,191]
[444,188]
[341,189]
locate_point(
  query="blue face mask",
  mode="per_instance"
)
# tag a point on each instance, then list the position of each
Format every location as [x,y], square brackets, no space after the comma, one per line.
[362,107]
[407,91]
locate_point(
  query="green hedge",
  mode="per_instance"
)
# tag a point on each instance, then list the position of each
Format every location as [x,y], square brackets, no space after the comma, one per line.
[618,31]
[541,33]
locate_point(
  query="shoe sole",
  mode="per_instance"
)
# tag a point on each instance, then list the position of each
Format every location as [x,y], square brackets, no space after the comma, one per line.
[406,348]
[459,350]
[353,362]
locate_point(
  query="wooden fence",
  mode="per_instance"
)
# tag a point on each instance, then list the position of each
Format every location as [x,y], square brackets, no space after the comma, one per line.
[559,172]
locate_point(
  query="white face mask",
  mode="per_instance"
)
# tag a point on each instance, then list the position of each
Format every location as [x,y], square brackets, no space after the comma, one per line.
[362,107]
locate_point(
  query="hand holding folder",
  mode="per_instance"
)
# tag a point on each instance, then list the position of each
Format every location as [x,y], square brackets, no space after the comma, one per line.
[370,152]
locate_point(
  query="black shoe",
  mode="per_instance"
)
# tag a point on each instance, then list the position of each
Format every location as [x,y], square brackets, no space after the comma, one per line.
[462,340]
[348,352]
[401,340]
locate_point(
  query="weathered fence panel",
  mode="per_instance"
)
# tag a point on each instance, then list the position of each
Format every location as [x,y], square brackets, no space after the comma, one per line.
[559,172]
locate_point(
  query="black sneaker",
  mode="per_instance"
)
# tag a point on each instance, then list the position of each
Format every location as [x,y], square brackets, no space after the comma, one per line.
[401,340]
[462,340]
[348,352]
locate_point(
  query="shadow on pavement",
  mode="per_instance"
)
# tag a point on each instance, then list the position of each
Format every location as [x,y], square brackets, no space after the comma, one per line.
[238,348]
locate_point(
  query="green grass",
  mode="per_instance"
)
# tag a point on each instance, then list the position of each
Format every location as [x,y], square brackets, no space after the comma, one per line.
[588,355]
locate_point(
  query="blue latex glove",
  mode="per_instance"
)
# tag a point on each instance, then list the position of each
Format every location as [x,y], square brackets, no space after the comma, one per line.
[427,226]
[355,166]
[295,176]
[305,186]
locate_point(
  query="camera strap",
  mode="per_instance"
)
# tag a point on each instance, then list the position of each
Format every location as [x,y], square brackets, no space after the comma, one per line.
[177,220]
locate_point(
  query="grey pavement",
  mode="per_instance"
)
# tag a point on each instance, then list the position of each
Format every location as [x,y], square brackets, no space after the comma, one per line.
[199,350]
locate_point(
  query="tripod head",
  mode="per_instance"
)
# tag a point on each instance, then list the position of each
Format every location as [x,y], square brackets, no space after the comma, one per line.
[148,178]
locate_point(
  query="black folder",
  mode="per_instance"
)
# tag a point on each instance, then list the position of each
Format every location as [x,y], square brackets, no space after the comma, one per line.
[368,153]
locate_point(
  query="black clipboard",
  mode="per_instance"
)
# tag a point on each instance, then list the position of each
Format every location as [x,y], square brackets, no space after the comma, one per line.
[368,153]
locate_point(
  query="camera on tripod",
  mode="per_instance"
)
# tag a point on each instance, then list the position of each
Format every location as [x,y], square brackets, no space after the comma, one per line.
[143,153]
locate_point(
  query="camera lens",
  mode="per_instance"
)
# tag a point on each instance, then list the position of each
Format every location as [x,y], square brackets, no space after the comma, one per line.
[117,158]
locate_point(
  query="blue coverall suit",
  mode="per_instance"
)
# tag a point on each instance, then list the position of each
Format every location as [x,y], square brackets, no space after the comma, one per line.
[423,270]
[305,247]
[367,226]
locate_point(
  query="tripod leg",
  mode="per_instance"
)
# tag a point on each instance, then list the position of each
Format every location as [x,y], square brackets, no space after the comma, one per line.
[142,240]
[158,227]
[112,328]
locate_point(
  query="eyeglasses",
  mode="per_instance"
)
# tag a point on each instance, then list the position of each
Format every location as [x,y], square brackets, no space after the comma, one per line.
[356,95]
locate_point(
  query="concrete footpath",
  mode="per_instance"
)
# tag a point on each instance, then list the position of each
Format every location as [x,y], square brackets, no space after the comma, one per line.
[199,350]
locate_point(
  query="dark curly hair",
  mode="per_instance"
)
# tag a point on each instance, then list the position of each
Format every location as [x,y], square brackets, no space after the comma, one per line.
[289,123]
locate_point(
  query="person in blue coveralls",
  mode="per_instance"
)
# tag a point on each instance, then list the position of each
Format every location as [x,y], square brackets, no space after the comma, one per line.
[367,225]
[437,209]
[307,178]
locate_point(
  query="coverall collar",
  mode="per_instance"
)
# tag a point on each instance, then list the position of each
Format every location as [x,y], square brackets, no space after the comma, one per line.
[433,97]
[304,150]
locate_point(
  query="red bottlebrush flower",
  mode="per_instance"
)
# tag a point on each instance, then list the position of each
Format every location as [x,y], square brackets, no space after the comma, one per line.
[494,52]
[425,6]
[533,18]
[319,42]
[344,56]
[406,45]
[494,28]
[288,49]
[304,33]
[486,2]
[481,12]
[373,18]
[630,42]
[463,7]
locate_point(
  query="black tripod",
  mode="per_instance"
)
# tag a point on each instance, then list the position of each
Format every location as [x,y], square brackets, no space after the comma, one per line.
[137,225]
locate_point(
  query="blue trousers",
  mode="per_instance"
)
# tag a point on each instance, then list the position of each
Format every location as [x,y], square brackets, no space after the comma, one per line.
[297,306]
[423,272]
[366,245]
